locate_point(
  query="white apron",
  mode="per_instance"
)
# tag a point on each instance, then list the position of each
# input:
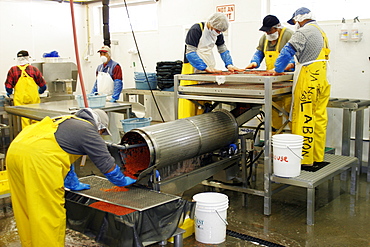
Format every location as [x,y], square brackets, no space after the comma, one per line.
[205,46]
[105,83]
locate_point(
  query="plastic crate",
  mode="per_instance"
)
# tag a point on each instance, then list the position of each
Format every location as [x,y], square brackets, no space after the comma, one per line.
[94,101]
[141,81]
[133,123]
[143,85]
[4,184]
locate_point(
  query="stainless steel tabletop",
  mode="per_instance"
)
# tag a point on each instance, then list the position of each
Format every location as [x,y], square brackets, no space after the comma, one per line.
[135,198]
[57,108]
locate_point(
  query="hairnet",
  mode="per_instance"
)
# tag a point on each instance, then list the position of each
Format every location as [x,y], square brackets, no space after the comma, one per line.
[300,15]
[219,21]
[102,120]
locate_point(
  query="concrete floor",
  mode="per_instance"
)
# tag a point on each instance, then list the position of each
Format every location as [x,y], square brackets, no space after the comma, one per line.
[340,219]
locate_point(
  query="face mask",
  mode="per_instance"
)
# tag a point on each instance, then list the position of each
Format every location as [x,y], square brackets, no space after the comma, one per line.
[214,33]
[104,59]
[297,26]
[273,36]
[22,60]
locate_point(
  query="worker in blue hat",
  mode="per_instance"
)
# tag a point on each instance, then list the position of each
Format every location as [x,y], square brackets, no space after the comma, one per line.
[39,168]
[311,88]
[270,44]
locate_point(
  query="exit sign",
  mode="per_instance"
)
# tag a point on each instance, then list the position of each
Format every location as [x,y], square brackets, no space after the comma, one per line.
[228,10]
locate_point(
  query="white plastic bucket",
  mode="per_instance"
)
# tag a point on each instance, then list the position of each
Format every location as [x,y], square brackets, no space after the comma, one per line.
[287,154]
[210,217]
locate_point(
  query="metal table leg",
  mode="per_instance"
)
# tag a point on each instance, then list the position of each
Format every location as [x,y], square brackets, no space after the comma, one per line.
[359,137]
[310,206]
[353,187]
[346,132]
[178,240]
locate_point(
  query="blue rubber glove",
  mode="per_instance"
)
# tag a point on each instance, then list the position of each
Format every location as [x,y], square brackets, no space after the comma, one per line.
[95,88]
[196,61]
[286,54]
[9,91]
[117,178]
[226,57]
[112,100]
[117,89]
[42,89]
[258,57]
[71,181]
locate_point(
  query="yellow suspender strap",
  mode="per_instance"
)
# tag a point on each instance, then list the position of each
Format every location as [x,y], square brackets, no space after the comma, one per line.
[201,26]
[23,69]
[326,43]
[280,37]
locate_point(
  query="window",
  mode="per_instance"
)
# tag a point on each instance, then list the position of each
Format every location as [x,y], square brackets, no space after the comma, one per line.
[322,10]
[143,17]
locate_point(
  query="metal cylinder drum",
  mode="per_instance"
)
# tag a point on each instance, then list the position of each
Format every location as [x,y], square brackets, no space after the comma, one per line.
[175,141]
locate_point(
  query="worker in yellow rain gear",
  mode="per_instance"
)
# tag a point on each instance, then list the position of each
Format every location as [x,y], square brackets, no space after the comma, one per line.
[311,88]
[27,82]
[39,167]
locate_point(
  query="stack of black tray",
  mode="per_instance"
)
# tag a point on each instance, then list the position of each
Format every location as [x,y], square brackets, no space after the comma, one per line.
[165,72]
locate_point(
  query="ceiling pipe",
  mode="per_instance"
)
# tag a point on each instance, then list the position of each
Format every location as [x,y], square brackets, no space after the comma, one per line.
[106,33]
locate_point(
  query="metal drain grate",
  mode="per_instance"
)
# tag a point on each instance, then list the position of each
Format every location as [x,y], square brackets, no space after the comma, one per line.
[136,198]
[252,239]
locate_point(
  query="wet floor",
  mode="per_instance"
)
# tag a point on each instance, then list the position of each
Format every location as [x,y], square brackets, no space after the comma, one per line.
[341,219]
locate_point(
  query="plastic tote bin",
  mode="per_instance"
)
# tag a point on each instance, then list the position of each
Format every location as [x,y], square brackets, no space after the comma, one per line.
[142,83]
[133,123]
[94,101]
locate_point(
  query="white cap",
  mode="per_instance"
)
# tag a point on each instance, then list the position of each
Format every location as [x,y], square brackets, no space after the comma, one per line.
[102,120]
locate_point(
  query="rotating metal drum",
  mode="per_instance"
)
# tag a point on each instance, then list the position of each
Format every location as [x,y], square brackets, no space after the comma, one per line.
[175,141]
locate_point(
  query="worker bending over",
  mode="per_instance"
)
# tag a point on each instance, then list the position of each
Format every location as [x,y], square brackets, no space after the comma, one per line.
[38,161]
[311,89]
[200,40]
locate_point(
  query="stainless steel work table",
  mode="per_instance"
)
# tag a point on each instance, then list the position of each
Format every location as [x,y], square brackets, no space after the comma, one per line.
[56,108]
[310,180]
[240,88]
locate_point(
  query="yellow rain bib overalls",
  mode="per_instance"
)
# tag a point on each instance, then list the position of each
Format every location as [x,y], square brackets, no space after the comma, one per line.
[37,166]
[311,96]
[25,92]
[186,108]
[285,101]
